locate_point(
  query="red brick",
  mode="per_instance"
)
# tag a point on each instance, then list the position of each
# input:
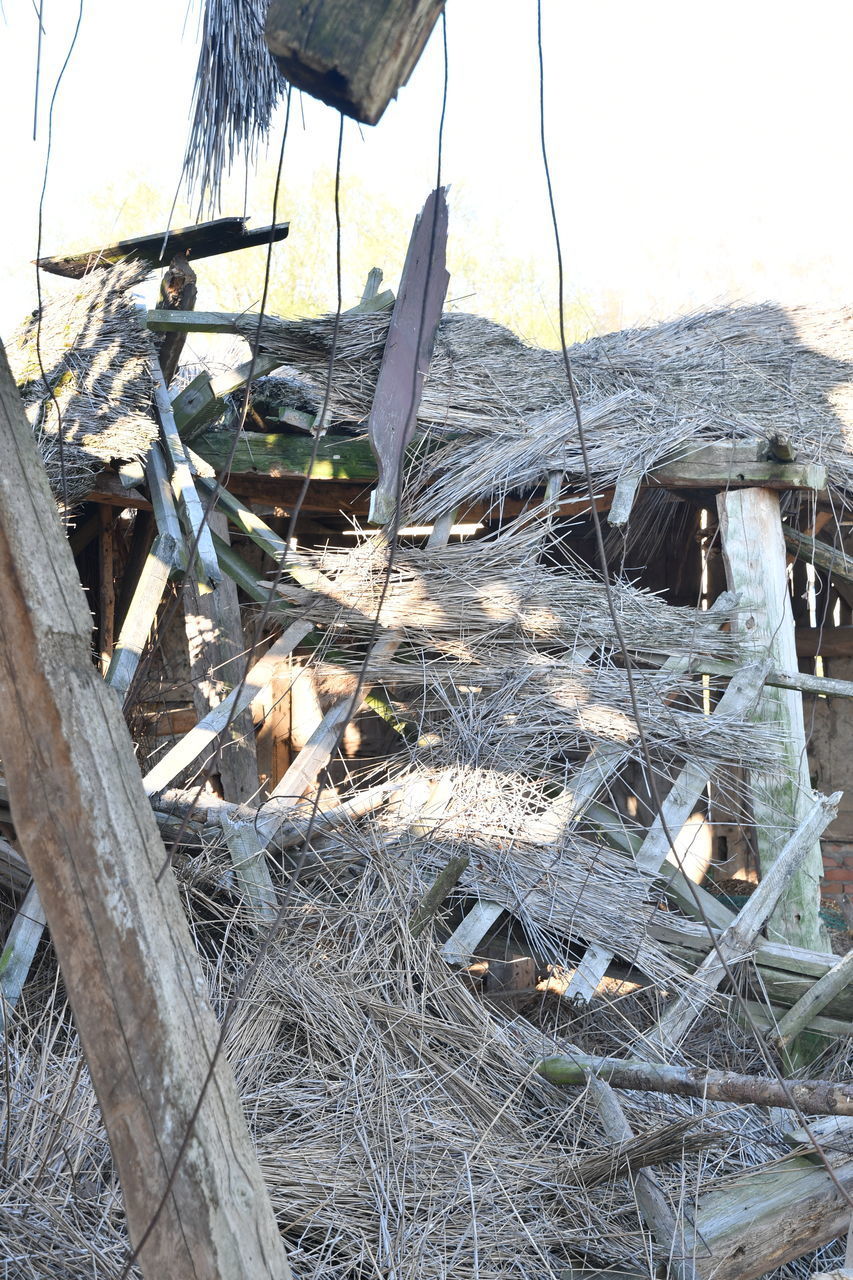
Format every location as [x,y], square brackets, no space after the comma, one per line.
[837,873]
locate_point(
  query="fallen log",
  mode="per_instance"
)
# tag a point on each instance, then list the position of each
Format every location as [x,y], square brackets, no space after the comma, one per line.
[814,1097]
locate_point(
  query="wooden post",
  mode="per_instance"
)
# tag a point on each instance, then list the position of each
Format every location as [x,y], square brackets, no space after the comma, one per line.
[132,976]
[217,650]
[754,554]
[107,600]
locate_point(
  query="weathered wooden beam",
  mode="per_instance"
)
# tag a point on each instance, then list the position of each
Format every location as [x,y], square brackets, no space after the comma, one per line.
[754,556]
[353,57]
[675,1237]
[824,991]
[279,454]
[217,655]
[203,399]
[19,950]
[161,321]
[828,642]
[206,240]
[408,352]
[443,884]
[768,1217]
[814,551]
[734,466]
[197,528]
[124,948]
[207,730]
[142,613]
[814,1097]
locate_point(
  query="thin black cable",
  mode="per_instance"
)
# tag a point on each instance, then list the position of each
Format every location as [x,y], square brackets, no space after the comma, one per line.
[275,926]
[39,15]
[47,385]
[762,1048]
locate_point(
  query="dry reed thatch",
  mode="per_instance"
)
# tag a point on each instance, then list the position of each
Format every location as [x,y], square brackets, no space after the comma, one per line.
[734,374]
[97,359]
[237,88]
[396,1115]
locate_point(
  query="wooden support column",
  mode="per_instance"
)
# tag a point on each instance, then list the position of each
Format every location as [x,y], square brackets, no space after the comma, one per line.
[754,554]
[132,976]
[107,602]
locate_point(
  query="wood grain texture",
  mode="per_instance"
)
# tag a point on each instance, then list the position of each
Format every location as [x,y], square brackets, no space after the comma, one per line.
[754,555]
[132,977]
[355,57]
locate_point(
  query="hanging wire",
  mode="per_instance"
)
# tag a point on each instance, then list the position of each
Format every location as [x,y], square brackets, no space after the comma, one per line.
[47,385]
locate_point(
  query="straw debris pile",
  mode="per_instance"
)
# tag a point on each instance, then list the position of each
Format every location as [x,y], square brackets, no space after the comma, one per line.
[397,1119]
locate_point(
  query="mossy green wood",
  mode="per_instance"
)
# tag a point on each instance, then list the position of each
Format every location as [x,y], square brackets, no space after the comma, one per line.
[338,457]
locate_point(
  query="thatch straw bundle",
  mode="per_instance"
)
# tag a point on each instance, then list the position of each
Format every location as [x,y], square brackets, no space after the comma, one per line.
[97,386]
[730,374]
[480,600]
[237,87]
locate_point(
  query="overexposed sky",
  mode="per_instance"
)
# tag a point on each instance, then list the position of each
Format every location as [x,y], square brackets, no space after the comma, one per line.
[700,152]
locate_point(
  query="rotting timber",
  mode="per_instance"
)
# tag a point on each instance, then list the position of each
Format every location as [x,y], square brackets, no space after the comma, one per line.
[476,892]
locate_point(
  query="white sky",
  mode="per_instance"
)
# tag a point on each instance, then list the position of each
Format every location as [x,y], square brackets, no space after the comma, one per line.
[700,152]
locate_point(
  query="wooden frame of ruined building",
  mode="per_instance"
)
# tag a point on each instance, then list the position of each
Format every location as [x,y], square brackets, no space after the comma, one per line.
[807,989]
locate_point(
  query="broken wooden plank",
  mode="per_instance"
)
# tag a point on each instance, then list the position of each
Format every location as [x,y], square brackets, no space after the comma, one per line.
[142,613]
[623,499]
[217,654]
[735,943]
[250,868]
[754,556]
[20,948]
[276,454]
[164,509]
[734,466]
[203,399]
[675,1237]
[198,532]
[824,991]
[443,884]
[107,587]
[354,59]
[408,351]
[467,936]
[740,696]
[814,1097]
[190,747]
[128,963]
[205,240]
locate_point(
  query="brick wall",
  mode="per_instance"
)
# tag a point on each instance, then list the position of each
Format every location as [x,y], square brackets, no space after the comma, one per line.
[837,868]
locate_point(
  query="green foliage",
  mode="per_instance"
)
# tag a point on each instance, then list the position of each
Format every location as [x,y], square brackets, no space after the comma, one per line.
[489,276]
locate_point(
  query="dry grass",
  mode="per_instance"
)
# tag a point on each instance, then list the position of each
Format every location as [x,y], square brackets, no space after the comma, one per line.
[396,1115]
[97,359]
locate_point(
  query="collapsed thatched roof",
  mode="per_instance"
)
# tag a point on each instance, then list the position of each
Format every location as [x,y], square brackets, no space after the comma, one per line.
[85,378]
[738,373]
